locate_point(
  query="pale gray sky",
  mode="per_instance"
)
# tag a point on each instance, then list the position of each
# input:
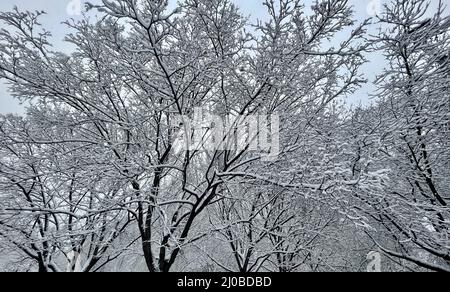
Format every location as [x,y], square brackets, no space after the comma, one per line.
[60,10]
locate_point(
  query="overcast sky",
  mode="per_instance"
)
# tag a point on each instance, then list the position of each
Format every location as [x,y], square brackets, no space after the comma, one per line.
[60,10]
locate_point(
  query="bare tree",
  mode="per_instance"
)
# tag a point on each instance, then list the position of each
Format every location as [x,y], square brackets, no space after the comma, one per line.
[140,67]
[404,136]
[58,207]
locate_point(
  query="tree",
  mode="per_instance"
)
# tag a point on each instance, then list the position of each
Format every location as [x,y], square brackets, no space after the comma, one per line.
[277,231]
[58,207]
[137,70]
[404,137]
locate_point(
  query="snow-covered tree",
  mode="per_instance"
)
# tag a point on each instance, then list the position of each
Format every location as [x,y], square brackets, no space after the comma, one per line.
[404,137]
[59,208]
[136,70]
